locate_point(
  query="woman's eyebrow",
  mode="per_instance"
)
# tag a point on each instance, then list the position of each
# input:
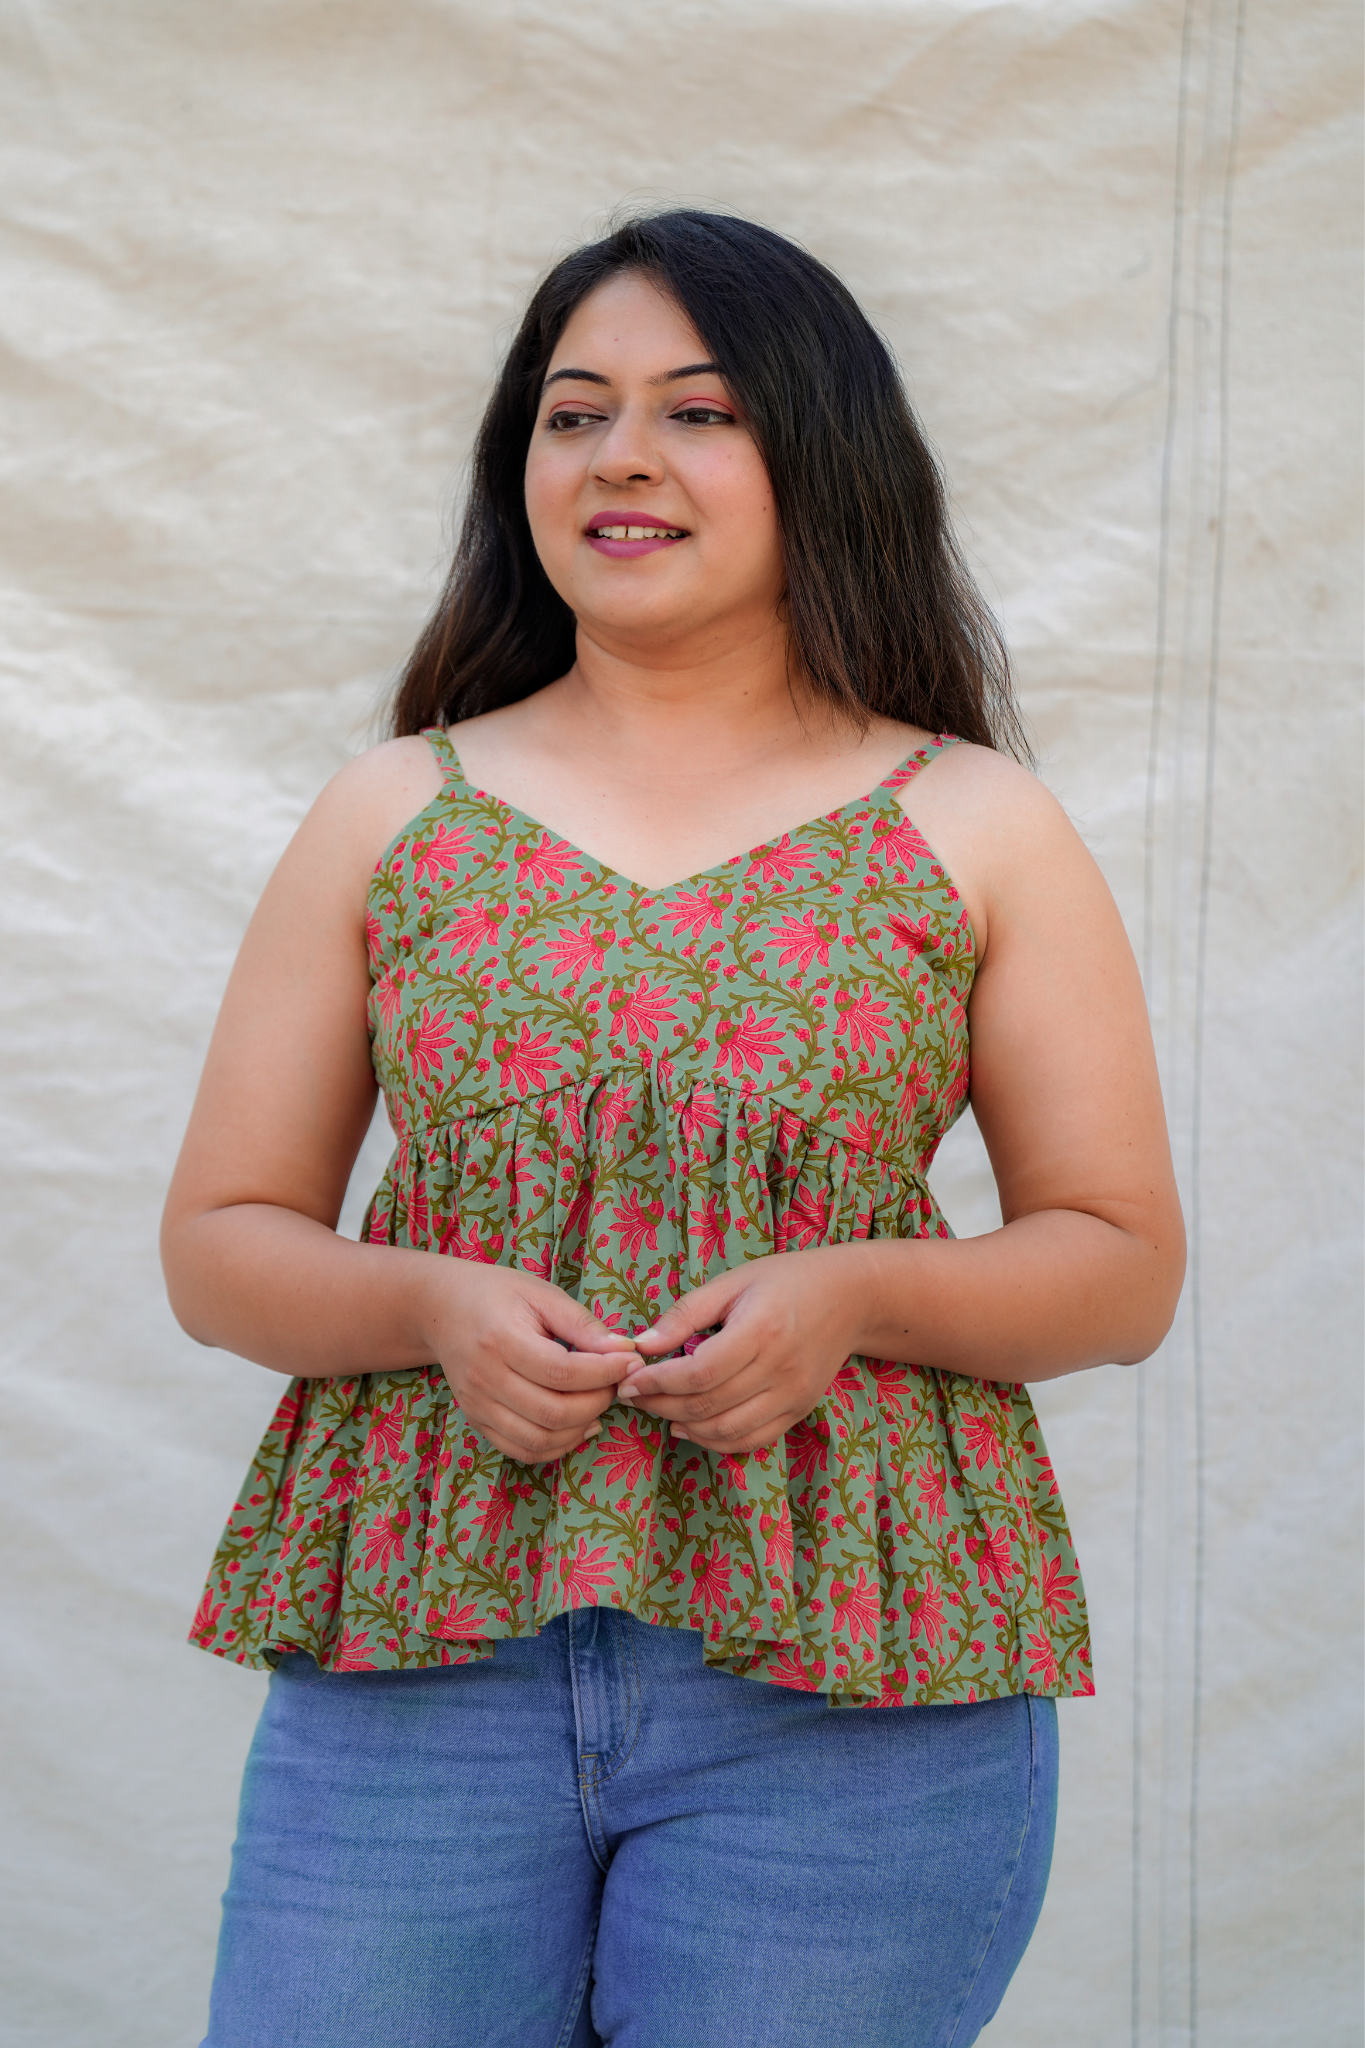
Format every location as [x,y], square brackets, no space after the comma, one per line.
[579,377]
[687,370]
[664,377]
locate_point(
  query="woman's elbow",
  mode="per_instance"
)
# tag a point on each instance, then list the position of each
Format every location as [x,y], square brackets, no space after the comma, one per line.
[1156,1301]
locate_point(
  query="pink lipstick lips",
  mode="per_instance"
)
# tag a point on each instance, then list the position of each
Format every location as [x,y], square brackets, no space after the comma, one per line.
[624,535]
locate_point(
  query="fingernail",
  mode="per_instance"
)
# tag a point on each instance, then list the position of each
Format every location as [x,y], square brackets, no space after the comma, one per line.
[626,1393]
[593,1429]
[681,1435]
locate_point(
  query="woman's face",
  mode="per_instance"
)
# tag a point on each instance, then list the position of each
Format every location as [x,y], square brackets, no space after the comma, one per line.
[637,432]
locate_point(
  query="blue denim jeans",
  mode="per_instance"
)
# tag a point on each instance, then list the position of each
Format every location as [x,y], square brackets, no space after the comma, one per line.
[592,1838]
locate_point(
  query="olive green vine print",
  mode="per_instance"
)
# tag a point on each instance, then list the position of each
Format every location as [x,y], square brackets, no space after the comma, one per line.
[627,1091]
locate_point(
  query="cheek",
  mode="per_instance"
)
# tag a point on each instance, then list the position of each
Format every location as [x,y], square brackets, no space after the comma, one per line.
[747,519]
[550,488]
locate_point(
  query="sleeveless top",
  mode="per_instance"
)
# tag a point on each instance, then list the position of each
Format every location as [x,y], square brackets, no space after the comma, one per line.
[626,1091]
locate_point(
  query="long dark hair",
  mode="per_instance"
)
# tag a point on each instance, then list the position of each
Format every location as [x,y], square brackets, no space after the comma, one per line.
[882,614]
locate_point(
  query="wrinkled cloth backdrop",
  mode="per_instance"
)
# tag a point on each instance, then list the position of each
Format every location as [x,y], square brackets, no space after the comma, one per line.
[257,266]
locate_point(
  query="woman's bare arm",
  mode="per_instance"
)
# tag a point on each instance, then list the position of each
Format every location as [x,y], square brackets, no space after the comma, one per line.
[1088,1265]
[249,1246]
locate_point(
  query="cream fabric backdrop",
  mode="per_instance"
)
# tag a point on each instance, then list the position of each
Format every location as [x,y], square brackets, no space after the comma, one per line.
[257,264]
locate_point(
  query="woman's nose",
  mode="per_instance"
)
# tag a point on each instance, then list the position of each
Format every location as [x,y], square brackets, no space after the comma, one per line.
[628,453]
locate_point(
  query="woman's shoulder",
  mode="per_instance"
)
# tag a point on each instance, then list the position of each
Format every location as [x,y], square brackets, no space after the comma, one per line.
[357,814]
[997,801]
[998,830]
[368,802]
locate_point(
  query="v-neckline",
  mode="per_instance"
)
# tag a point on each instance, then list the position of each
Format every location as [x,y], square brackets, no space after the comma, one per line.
[896,778]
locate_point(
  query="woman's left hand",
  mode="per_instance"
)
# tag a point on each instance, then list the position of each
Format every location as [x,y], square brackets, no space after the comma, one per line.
[788,1322]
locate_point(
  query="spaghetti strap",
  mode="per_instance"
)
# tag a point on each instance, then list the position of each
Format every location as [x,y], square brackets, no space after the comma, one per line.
[443,747]
[921,758]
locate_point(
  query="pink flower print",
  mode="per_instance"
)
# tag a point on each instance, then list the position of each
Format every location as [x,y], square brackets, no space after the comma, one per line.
[806,1220]
[1056,1589]
[525,1064]
[992,1558]
[933,1490]
[862,1134]
[346,1481]
[205,1618]
[389,994]
[473,927]
[427,1040]
[419,1212]
[640,1011]
[572,1111]
[693,913]
[584,1575]
[711,1576]
[926,1612]
[287,1414]
[548,865]
[733,1468]
[456,1621]
[699,1114]
[1042,1660]
[803,942]
[460,1245]
[385,1542]
[780,861]
[374,934]
[578,951]
[747,1044]
[982,1441]
[789,1668]
[711,1227]
[331,1588]
[613,1112]
[638,1225]
[917,1086]
[442,850]
[914,937]
[577,1213]
[892,1383]
[385,1440]
[496,1513]
[857,1608]
[898,845]
[353,1653]
[846,1385]
[627,1455]
[807,1450]
[861,1018]
[776,1531]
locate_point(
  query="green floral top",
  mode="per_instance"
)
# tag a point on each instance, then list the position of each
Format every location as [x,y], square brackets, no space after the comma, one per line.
[627,1090]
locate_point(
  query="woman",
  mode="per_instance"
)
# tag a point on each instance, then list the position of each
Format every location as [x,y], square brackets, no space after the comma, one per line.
[659,1414]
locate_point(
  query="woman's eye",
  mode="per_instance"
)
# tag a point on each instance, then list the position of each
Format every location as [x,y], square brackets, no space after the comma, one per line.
[704,416]
[561,422]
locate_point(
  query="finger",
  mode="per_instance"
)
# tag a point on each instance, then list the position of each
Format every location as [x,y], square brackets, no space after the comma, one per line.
[575,1326]
[538,1437]
[755,1425]
[547,1364]
[752,1382]
[714,1360]
[701,1309]
[707,1376]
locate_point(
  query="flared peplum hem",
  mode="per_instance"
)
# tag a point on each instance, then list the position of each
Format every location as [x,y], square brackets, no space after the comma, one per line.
[867,1556]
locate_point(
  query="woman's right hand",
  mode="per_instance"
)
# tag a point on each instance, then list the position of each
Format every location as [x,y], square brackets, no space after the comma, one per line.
[531,1369]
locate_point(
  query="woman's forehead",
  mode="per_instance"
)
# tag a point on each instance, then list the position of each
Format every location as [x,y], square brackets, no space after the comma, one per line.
[624,322]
